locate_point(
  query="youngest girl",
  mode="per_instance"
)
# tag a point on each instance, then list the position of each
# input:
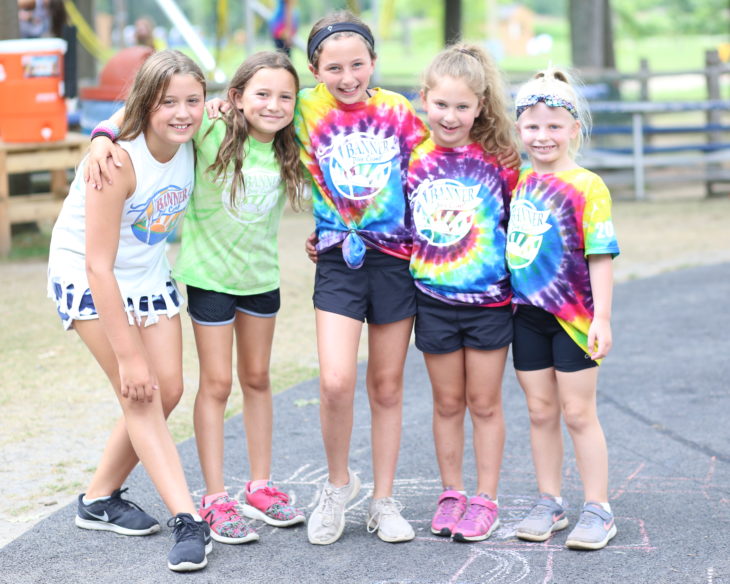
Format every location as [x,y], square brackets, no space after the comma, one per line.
[560,245]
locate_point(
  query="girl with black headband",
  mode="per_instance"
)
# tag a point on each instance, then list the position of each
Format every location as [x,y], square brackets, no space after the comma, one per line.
[356,142]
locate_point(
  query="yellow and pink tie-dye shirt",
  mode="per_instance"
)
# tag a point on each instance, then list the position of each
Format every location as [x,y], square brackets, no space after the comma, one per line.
[357,155]
[556,221]
[459,200]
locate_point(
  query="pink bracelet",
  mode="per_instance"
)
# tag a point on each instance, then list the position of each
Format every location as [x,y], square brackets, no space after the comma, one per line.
[106,128]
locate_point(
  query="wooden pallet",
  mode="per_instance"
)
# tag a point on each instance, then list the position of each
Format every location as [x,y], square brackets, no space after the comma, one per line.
[56,157]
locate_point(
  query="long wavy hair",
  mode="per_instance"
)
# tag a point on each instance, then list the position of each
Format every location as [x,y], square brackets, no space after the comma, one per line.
[150,85]
[232,149]
[493,128]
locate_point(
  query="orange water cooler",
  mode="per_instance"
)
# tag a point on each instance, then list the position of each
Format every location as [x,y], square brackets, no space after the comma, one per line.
[32,104]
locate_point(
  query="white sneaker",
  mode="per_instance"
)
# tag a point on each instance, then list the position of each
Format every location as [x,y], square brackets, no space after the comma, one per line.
[384,516]
[327,521]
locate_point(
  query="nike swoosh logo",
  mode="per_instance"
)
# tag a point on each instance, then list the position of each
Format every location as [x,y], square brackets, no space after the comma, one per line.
[103,517]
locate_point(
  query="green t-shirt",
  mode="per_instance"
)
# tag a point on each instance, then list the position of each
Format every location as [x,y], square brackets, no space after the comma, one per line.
[232,249]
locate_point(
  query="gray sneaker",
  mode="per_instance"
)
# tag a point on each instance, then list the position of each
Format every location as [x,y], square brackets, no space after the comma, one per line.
[546,516]
[327,521]
[594,529]
[385,518]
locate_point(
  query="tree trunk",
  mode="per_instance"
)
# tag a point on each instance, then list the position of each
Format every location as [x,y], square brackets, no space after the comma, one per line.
[591,34]
[9,21]
[452,21]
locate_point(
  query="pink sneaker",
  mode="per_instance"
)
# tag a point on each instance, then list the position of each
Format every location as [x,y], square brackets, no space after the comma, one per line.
[269,504]
[479,521]
[450,508]
[226,525]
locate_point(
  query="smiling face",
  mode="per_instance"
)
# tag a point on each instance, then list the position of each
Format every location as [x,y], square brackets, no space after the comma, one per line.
[176,118]
[345,67]
[451,108]
[546,133]
[267,102]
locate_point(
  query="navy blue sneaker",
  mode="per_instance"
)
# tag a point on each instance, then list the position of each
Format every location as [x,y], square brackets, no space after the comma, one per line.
[115,514]
[192,543]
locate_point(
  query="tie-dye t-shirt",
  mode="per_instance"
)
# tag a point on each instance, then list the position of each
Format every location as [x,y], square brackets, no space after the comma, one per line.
[357,155]
[459,199]
[556,221]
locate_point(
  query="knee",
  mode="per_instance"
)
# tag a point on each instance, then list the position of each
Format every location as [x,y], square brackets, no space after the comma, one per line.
[255,382]
[577,418]
[217,387]
[450,407]
[336,390]
[544,414]
[171,397]
[484,408]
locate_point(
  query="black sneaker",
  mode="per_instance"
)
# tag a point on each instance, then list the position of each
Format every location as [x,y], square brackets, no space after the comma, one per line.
[115,514]
[192,543]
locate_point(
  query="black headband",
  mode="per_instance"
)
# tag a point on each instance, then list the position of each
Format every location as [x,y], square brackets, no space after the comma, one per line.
[328,31]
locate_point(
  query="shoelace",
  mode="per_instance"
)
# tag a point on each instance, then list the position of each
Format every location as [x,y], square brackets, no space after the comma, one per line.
[275,493]
[538,511]
[115,500]
[588,518]
[328,505]
[386,507]
[474,511]
[184,527]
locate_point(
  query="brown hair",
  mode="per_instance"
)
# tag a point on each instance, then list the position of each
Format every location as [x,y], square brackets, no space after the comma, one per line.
[493,128]
[150,85]
[232,151]
[335,18]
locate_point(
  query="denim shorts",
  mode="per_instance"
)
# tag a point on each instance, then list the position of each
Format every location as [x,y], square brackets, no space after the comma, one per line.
[71,307]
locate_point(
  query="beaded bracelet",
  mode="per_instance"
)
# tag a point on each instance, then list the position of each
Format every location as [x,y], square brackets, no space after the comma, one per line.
[106,128]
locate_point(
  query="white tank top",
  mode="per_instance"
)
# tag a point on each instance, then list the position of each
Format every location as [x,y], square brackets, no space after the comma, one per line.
[149,216]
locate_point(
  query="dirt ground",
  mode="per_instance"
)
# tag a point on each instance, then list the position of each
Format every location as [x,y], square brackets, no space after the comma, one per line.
[57,407]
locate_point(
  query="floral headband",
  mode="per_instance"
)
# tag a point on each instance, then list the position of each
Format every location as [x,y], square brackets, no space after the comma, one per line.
[548,99]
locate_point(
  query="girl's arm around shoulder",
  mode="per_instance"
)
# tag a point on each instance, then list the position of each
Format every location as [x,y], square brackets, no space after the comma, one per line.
[600,270]
[103,218]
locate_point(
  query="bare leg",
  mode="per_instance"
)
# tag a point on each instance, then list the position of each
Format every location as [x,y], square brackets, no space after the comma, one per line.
[546,437]
[254,336]
[214,345]
[145,421]
[448,383]
[578,402]
[337,342]
[484,371]
[387,347]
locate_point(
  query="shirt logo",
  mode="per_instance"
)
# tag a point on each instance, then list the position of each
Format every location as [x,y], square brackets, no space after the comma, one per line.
[158,216]
[525,233]
[444,210]
[255,203]
[359,164]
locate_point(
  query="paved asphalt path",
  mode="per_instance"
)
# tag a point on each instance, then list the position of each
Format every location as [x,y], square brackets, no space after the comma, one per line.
[664,399]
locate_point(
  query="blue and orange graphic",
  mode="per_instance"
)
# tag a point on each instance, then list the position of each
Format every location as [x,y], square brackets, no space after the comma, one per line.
[159,215]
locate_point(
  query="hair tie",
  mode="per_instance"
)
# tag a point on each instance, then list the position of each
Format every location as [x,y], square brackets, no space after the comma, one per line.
[548,99]
[326,32]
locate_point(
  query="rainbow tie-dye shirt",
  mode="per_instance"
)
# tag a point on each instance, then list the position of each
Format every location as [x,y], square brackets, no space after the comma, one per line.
[357,155]
[556,221]
[459,199]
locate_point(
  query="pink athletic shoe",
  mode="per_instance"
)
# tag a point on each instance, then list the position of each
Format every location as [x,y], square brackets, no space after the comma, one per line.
[269,504]
[479,521]
[226,525]
[450,508]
